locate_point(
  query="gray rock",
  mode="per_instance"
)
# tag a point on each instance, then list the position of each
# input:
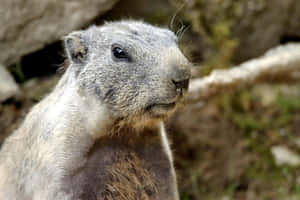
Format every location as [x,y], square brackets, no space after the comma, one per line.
[263,24]
[28,25]
[284,156]
[8,87]
[257,25]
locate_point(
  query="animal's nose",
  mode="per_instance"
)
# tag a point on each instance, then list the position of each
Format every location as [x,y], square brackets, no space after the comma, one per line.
[181,85]
[180,76]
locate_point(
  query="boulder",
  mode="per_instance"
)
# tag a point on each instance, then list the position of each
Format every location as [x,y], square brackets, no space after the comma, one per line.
[8,87]
[29,25]
[241,29]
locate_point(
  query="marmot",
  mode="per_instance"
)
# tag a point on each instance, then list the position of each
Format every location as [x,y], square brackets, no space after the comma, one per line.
[99,134]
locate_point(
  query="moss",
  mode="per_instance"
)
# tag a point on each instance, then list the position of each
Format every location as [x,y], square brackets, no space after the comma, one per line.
[231,189]
[279,181]
[184,196]
[288,104]
[17,71]
[214,21]
[246,111]
[262,127]
[237,108]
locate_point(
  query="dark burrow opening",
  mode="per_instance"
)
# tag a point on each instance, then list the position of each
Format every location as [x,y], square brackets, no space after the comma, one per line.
[289,38]
[44,62]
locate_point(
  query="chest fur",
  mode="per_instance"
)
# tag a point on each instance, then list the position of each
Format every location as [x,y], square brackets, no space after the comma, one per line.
[122,170]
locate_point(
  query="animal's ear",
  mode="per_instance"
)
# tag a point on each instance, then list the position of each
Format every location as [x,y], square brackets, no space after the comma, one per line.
[76,47]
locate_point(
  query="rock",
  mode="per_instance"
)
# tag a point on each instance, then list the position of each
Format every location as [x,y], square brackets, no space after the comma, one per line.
[27,26]
[266,93]
[284,156]
[8,87]
[154,11]
[255,25]
[225,198]
[297,142]
[263,25]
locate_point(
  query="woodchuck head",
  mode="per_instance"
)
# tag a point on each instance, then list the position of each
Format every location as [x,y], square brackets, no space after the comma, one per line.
[132,68]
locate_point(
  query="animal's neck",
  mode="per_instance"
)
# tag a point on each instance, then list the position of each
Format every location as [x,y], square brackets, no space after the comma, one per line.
[77,122]
[74,108]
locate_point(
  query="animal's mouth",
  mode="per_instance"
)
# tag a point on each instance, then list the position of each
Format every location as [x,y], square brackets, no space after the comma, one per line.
[159,110]
[166,106]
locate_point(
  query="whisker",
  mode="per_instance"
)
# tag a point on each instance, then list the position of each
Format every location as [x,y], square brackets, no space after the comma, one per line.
[180,35]
[171,26]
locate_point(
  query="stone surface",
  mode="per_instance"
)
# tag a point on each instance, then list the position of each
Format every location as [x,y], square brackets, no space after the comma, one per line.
[29,25]
[297,142]
[284,156]
[8,87]
[256,25]
[263,25]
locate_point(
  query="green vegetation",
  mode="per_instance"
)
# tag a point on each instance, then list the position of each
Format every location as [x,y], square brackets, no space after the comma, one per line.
[214,21]
[229,156]
[264,126]
[246,111]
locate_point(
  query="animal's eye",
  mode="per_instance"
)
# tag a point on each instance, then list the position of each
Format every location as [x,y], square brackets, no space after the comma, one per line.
[120,54]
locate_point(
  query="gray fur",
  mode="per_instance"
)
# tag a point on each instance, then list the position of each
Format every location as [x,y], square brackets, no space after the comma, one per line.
[101,105]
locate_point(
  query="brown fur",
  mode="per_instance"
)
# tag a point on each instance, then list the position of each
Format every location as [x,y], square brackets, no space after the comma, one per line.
[130,179]
[121,168]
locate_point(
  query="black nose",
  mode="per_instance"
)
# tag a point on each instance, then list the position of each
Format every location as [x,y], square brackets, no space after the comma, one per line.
[181,85]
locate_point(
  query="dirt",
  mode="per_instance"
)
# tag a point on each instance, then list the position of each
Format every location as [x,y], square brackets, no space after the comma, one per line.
[222,147]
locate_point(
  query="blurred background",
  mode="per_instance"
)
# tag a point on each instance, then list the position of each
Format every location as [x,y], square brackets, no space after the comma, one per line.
[225,148]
